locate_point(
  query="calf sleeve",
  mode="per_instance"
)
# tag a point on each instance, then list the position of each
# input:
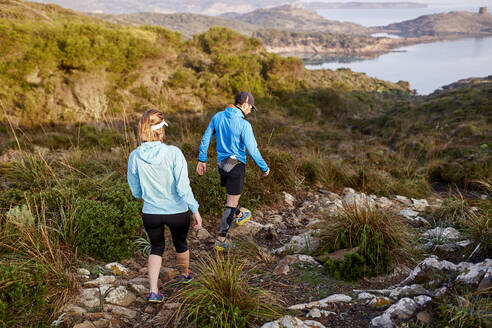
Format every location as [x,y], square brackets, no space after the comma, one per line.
[227,218]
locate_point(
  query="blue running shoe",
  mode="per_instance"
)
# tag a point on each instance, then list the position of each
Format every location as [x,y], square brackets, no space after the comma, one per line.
[155,298]
[186,279]
[245,217]
[221,245]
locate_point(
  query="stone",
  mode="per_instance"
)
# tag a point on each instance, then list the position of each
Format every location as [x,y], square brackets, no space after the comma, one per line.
[167,274]
[276,219]
[359,200]
[120,296]
[419,204]
[380,302]
[403,309]
[120,311]
[299,243]
[317,313]
[202,234]
[336,298]
[306,259]
[382,321]
[289,199]
[116,268]
[102,280]
[430,263]
[464,243]
[83,272]
[282,267]
[473,274]
[424,317]
[313,223]
[340,254]
[85,324]
[486,280]
[101,323]
[139,289]
[422,300]
[73,309]
[249,228]
[88,298]
[404,200]
[292,322]
[347,191]
[384,202]
[365,296]
[139,281]
[150,309]
[408,212]
[448,233]
[411,290]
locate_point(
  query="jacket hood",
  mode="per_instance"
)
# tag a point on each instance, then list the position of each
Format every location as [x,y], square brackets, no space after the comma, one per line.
[150,152]
[233,111]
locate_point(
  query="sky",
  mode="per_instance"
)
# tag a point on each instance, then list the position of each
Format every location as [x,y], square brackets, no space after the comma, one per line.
[453,2]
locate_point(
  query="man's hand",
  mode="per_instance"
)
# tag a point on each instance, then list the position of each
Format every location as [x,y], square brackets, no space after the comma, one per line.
[198,220]
[201,168]
[267,172]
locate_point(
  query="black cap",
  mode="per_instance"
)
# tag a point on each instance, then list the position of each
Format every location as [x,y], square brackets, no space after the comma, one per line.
[245,97]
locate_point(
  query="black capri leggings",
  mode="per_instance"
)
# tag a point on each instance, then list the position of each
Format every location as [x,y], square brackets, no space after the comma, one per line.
[178,224]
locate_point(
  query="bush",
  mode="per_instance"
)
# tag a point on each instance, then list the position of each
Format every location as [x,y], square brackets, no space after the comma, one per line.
[23,296]
[221,295]
[107,227]
[382,239]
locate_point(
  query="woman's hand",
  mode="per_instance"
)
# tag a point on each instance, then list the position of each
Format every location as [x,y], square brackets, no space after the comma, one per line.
[198,220]
[201,167]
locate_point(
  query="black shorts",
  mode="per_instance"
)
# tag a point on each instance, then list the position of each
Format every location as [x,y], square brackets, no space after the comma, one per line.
[178,224]
[233,180]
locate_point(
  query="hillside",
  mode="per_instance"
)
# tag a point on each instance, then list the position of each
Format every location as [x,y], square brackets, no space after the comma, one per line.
[452,24]
[208,7]
[296,19]
[184,23]
[363,5]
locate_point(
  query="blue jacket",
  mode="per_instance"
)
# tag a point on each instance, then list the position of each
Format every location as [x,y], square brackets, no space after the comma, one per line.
[233,133]
[158,173]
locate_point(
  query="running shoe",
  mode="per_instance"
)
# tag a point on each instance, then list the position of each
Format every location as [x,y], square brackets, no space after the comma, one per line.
[245,217]
[155,298]
[221,245]
[186,279]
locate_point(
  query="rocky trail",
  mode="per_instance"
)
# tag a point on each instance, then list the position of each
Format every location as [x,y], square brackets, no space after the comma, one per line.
[114,294]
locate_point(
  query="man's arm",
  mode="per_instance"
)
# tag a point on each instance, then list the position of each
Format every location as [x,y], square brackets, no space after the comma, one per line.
[207,137]
[252,147]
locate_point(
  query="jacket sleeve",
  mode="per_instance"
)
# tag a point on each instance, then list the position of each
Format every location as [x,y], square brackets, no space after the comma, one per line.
[252,147]
[183,187]
[207,137]
[132,176]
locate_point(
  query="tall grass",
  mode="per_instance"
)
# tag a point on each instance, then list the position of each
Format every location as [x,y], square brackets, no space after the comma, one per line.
[222,295]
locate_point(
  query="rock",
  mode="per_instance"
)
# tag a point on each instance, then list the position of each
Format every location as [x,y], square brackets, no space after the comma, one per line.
[120,311]
[168,273]
[139,289]
[384,202]
[85,324]
[292,322]
[403,309]
[429,264]
[139,281]
[282,267]
[300,242]
[202,234]
[289,199]
[359,200]
[407,291]
[102,280]
[116,268]
[336,298]
[404,200]
[464,243]
[380,302]
[473,274]
[419,204]
[317,313]
[409,213]
[382,321]
[313,223]
[73,309]
[101,323]
[365,296]
[422,300]
[347,191]
[448,233]
[424,317]
[417,221]
[249,228]
[88,298]
[485,283]
[306,259]
[150,309]
[340,254]
[276,219]
[84,273]
[120,296]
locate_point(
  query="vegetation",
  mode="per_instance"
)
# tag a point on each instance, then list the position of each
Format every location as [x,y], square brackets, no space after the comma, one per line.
[382,239]
[222,295]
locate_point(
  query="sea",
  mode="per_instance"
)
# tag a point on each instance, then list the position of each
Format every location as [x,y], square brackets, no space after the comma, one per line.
[426,66]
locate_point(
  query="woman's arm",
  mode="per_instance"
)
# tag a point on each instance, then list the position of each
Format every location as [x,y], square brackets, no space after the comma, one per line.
[183,187]
[132,177]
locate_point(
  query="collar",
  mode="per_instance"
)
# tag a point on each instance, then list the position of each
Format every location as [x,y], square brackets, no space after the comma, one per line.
[236,110]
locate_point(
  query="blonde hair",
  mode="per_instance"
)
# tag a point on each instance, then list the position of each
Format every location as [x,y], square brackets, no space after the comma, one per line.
[145,132]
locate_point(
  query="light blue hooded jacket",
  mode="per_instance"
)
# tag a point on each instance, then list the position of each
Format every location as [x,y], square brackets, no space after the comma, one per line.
[233,133]
[158,174]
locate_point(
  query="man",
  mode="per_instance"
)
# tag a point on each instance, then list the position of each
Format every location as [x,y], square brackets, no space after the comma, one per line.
[234,134]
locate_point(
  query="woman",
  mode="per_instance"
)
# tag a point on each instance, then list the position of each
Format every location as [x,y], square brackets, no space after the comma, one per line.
[158,174]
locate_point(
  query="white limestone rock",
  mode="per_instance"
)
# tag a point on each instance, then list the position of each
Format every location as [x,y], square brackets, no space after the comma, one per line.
[406,291]
[403,309]
[139,289]
[336,298]
[292,322]
[419,204]
[102,280]
[365,296]
[120,296]
[382,321]
[120,311]
[116,268]
[384,202]
[448,233]
[289,199]
[422,300]
[408,212]
[430,263]
[88,298]
[300,242]
[474,273]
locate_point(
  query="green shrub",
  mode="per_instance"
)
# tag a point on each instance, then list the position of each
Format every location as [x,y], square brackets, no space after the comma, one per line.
[382,239]
[107,227]
[23,295]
